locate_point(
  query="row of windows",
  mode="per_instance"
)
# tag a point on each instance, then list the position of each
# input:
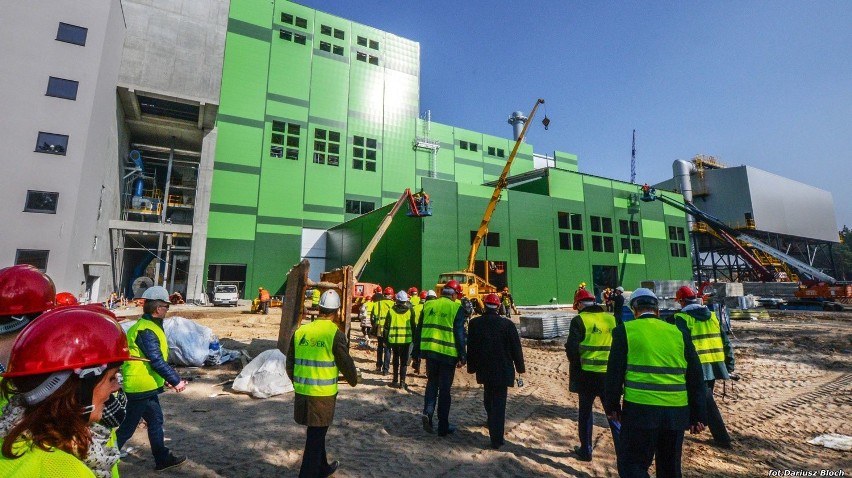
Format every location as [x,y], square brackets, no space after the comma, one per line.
[293,20]
[371,59]
[293,37]
[678,248]
[628,228]
[601,224]
[570,242]
[568,220]
[326,147]
[498,152]
[326,46]
[468,146]
[52,143]
[372,44]
[364,153]
[335,32]
[359,207]
[285,140]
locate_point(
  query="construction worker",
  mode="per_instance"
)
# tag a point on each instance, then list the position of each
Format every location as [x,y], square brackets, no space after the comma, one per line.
[263,297]
[440,339]
[581,287]
[425,296]
[494,354]
[318,352]
[365,313]
[587,348]
[413,295]
[507,303]
[145,380]
[714,351]
[654,365]
[62,370]
[25,292]
[380,313]
[398,333]
[618,304]
[315,297]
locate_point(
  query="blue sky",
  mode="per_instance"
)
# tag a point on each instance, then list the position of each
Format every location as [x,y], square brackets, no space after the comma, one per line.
[762,83]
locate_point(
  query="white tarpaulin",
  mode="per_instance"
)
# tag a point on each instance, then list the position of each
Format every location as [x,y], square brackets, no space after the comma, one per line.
[834,441]
[265,376]
[189,343]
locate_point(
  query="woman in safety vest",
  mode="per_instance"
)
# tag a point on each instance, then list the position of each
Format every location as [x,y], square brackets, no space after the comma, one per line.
[62,370]
[398,332]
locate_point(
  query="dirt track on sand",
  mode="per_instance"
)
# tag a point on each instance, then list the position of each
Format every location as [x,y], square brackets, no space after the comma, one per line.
[797,384]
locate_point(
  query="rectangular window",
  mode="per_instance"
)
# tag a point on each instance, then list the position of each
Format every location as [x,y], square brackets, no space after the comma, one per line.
[491,151]
[51,143]
[609,244]
[491,239]
[623,227]
[682,249]
[362,41]
[359,207]
[170,109]
[576,222]
[326,147]
[596,223]
[286,18]
[637,246]
[577,242]
[474,147]
[325,30]
[285,140]
[565,241]
[625,244]
[338,34]
[373,60]
[34,257]
[527,253]
[374,44]
[361,56]
[597,243]
[325,46]
[501,153]
[337,50]
[301,22]
[41,201]
[62,88]
[463,144]
[634,228]
[285,35]
[606,225]
[562,219]
[300,39]
[72,34]
[364,153]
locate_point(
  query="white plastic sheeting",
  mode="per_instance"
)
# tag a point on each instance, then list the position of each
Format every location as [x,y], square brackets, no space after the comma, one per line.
[265,376]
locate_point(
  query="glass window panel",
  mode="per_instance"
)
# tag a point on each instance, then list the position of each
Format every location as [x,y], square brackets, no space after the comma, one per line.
[576,222]
[474,147]
[501,153]
[680,236]
[300,39]
[371,154]
[301,22]
[276,151]
[597,243]
[41,201]
[334,148]
[325,46]
[637,246]
[562,220]
[371,166]
[357,163]
[682,250]
[292,154]
[319,145]
[362,41]
[609,245]
[565,241]
[333,160]
[319,158]
[293,129]
[596,224]
[286,18]
[361,56]
[325,29]
[577,242]
[527,253]
[374,44]
[606,224]
[285,35]
[72,34]
[293,141]
[277,138]
[374,60]
[634,228]
[33,257]
[334,136]
[338,34]
[51,143]
[62,88]
[319,133]
[358,152]
[358,141]
[623,227]
[278,126]
[371,143]
[338,50]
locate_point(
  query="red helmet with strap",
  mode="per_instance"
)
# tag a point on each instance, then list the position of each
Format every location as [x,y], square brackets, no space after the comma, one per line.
[65,298]
[492,300]
[453,284]
[412,291]
[584,295]
[377,289]
[25,290]
[70,338]
[389,290]
[685,293]
[423,295]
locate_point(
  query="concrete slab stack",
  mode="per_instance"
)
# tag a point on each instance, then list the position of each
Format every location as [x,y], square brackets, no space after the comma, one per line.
[544,326]
[783,290]
[666,290]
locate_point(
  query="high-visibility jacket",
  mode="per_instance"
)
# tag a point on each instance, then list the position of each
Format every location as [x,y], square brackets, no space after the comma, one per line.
[656,364]
[35,462]
[414,299]
[380,312]
[594,349]
[418,311]
[314,369]
[264,295]
[706,336]
[400,327]
[140,376]
[315,297]
[437,328]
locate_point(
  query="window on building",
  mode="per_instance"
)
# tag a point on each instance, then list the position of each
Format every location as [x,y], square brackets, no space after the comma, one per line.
[463,144]
[474,147]
[301,22]
[569,220]
[51,143]
[168,109]
[577,242]
[72,34]
[501,153]
[565,241]
[285,140]
[339,34]
[491,239]
[285,35]
[527,253]
[597,243]
[492,151]
[677,241]
[326,147]
[609,244]
[374,44]
[325,46]
[62,88]
[362,41]
[300,39]
[361,56]
[337,50]
[286,18]
[595,223]
[41,201]
[676,233]
[34,257]
[325,30]
[602,242]
[373,60]
[359,207]
[364,153]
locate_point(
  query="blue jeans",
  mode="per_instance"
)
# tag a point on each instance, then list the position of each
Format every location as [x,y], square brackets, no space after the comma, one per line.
[439,380]
[149,409]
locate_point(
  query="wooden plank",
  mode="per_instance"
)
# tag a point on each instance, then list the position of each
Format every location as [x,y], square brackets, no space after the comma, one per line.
[293,310]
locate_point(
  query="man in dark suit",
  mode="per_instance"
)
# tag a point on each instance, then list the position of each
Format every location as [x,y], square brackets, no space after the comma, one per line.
[493,354]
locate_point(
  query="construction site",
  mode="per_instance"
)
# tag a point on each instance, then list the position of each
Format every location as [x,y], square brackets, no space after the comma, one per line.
[227,185]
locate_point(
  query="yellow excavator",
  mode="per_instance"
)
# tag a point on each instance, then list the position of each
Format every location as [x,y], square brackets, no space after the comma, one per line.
[474,287]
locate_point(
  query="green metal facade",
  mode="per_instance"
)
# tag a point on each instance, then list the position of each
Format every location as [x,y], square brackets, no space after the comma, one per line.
[311,102]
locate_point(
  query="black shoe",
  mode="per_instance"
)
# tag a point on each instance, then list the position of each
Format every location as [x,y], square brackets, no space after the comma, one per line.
[384,373]
[402,386]
[427,423]
[331,469]
[723,444]
[171,462]
[450,430]
[393,384]
[581,454]
[497,445]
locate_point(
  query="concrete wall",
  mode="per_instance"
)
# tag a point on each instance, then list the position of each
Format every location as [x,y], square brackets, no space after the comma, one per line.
[32,54]
[175,47]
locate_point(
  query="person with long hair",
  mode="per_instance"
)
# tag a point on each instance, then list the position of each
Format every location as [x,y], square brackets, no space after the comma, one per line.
[62,370]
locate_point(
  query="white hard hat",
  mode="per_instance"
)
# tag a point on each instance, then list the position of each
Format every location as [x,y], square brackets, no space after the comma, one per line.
[402,296]
[644,296]
[330,300]
[431,293]
[156,293]
[620,289]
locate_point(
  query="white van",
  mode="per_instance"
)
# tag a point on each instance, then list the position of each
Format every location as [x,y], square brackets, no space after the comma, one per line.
[225,294]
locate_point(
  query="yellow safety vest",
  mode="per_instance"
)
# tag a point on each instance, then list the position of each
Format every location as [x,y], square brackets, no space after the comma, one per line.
[414,299]
[594,349]
[437,329]
[314,370]
[418,312]
[140,376]
[656,365]
[35,462]
[400,327]
[380,313]
[315,297]
[706,336]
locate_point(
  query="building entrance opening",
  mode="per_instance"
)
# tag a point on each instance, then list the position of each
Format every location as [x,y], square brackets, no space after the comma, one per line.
[603,277]
[226,274]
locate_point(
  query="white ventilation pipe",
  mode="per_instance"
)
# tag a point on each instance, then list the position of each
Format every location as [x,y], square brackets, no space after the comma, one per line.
[682,169]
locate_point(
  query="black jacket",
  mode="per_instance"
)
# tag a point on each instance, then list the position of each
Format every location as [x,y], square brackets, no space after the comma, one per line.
[494,350]
[580,380]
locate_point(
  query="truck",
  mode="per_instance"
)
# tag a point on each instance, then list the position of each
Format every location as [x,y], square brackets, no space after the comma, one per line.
[226,294]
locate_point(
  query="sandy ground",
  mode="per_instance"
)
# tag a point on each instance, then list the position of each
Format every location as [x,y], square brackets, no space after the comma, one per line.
[797,384]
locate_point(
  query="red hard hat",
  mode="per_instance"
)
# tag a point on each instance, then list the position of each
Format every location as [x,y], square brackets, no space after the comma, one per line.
[388,290]
[424,294]
[66,339]
[453,284]
[685,292]
[65,298]
[412,291]
[584,294]
[25,290]
[492,299]
[377,289]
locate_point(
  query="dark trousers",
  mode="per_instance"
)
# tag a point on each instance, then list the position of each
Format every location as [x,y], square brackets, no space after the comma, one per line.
[314,459]
[264,306]
[400,361]
[640,445]
[494,400]
[439,380]
[714,417]
[585,420]
[380,352]
[149,409]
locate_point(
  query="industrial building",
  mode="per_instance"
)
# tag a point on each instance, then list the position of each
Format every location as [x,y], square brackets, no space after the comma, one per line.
[187,143]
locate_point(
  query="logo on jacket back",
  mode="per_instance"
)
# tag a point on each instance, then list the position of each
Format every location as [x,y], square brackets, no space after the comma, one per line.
[311,343]
[596,330]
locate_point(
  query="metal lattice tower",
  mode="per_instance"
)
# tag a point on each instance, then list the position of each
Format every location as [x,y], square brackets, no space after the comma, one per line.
[633,160]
